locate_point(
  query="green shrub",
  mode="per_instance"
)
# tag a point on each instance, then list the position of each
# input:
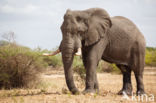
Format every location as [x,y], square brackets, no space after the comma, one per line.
[150,58]
[54,61]
[107,67]
[19,66]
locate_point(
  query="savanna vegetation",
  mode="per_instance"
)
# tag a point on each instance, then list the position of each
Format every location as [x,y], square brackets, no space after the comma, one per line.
[150,58]
[20,66]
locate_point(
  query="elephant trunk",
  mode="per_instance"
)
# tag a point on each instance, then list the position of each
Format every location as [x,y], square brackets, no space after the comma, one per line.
[67,57]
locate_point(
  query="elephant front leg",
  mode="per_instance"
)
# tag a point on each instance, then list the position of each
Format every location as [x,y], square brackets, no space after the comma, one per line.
[90,64]
[95,85]
[91,57]
[91,60]
[91,80]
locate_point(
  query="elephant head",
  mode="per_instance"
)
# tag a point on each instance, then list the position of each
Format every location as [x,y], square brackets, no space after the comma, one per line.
[87,26]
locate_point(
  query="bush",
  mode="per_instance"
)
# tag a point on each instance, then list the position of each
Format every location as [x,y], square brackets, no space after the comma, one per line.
[54,61]
[19,66]
[150,58]
[107,67]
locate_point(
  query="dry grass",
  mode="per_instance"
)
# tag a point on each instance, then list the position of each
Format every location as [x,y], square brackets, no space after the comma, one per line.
[51,90]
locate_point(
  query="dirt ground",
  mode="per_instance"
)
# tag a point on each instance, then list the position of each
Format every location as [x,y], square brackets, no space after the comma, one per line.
[53,90]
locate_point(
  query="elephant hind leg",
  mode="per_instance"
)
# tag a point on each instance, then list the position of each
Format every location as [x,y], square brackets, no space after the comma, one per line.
[138,68]
[138,71]
[127,86]
[140,85]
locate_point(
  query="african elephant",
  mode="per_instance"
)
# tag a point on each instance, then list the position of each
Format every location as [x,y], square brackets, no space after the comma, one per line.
[112,39]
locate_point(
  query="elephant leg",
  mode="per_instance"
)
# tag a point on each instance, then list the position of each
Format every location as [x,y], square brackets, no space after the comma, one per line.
[138,68]
[127,86]
[96,85]
[91,59]
[92,86]
[91,77]
[138,71]
[140,86]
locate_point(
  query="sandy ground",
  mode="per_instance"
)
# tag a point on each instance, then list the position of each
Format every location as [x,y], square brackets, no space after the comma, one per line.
[53,90]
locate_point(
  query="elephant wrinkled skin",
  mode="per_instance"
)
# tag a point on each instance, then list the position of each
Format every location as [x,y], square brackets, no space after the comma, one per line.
[113,39]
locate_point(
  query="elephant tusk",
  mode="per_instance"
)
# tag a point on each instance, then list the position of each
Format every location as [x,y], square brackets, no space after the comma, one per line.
[51,54]
[78,53]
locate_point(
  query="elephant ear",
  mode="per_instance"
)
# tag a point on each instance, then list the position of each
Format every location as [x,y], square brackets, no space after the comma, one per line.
[98,24]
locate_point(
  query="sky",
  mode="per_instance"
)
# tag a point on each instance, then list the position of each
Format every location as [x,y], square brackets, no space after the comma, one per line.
[36,23]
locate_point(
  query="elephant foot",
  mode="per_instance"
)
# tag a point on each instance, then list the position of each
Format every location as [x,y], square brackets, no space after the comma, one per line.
[140,92]
[123,92]
[75,91]
[90,91]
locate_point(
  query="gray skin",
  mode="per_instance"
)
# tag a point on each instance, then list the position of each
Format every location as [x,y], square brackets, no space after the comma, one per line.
[112,39]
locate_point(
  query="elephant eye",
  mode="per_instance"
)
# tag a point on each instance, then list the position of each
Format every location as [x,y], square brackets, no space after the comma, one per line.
[78,19]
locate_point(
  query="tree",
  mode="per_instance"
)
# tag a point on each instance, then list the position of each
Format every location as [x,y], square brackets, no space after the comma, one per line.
[9,37]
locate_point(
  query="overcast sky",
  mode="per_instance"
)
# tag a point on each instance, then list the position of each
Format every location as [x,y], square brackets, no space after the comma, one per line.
[36,23]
